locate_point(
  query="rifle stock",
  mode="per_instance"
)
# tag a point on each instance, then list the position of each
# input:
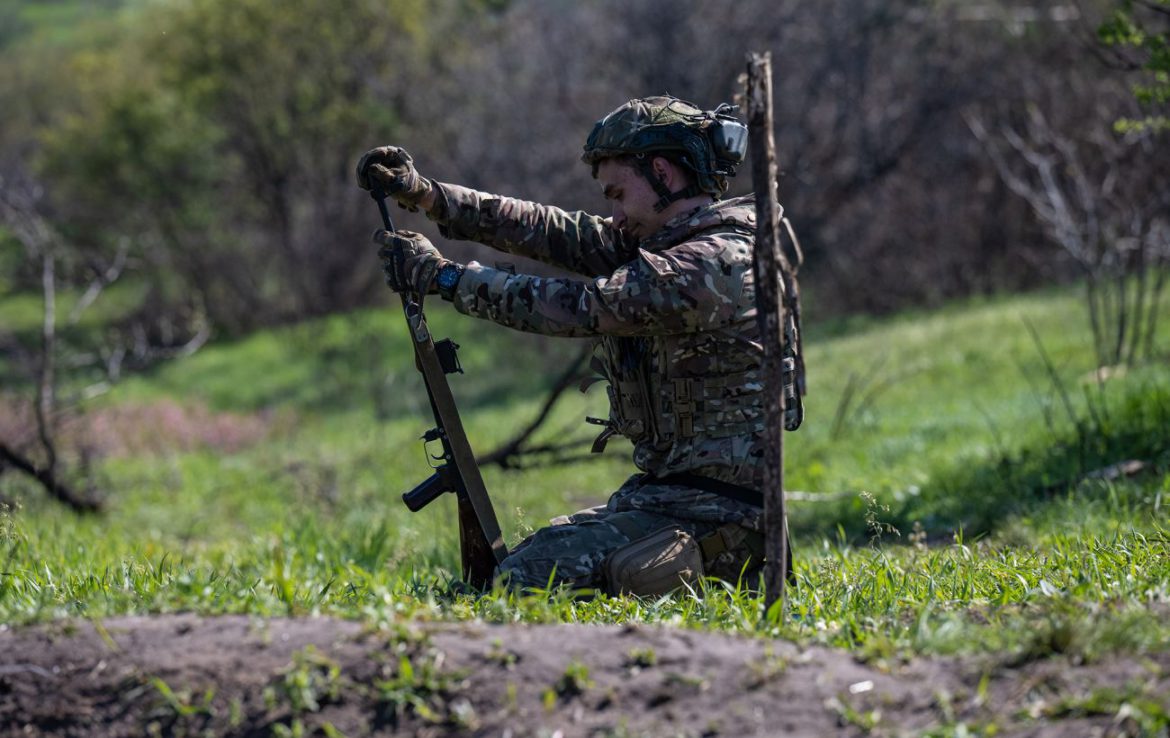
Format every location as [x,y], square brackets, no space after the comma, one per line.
[481,543]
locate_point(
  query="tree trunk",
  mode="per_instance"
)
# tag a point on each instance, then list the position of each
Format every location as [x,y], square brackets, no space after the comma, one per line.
[769,308]
[45,405]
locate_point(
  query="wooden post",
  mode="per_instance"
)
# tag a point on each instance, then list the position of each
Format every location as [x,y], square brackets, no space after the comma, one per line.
[769,309]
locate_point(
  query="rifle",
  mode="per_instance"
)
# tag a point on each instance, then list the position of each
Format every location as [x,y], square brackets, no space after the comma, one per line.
[481,545]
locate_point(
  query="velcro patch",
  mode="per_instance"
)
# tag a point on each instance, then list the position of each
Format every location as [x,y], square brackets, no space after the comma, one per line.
[660,266]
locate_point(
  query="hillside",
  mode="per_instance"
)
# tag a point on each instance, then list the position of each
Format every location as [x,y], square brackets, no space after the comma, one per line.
[960,542]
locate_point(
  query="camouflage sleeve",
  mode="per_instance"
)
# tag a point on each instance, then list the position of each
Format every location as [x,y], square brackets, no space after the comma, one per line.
[582,243]
[698,285]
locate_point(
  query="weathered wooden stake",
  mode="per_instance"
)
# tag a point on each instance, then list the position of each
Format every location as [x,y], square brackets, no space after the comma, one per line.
[769,308]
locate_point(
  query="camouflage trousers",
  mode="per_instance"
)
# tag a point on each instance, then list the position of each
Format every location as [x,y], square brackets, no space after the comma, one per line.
[573,549]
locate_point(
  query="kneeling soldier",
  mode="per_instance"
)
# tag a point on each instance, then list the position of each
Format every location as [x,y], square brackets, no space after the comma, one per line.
[666,289]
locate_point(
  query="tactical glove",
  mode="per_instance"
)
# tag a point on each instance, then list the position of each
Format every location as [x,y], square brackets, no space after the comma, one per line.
[409,261]
[391,170]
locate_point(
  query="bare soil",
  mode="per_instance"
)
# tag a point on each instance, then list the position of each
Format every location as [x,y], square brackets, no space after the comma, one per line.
[241,676]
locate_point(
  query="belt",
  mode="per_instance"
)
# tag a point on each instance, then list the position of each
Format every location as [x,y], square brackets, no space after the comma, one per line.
[746,495]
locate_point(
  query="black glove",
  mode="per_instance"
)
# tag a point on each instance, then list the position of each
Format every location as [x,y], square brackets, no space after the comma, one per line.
[390,170]
[409,261]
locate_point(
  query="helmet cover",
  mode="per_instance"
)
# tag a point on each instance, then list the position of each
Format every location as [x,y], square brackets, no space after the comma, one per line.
[709,143]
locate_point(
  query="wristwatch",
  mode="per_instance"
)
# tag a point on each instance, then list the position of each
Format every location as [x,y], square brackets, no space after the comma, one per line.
[448,280]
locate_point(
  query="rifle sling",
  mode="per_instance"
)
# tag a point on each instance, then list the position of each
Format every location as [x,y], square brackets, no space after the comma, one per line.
[447,417]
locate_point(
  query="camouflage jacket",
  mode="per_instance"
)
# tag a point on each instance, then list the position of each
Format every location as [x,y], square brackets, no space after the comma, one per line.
[675,321]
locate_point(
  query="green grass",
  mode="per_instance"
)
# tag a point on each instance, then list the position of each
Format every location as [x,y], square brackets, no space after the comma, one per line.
[956,433]
[56,22]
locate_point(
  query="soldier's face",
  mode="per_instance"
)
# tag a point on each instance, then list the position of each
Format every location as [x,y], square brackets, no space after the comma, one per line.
[631,197]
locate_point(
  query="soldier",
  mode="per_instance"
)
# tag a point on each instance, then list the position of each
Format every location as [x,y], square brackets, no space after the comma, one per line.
[665,287]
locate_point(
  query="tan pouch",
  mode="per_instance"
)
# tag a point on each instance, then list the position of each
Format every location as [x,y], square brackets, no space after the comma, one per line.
[659,563]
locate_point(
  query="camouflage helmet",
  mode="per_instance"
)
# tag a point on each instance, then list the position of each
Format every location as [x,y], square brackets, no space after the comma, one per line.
[709,143]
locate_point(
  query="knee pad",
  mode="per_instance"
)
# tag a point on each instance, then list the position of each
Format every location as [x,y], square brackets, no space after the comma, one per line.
[656,564]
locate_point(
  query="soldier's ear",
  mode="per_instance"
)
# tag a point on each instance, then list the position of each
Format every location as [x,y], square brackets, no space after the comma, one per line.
[670,173]
[663,170]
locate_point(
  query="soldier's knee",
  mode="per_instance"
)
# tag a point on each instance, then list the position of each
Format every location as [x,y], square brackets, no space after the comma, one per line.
[563,555]
[540,574]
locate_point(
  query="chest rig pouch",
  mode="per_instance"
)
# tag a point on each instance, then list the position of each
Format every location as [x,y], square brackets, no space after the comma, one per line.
[625,363]
[669,388]
[648,403]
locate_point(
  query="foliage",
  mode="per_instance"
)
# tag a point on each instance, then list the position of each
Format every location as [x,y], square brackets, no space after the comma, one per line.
[310,681]
[215,140]
[228,132]
[1142,27]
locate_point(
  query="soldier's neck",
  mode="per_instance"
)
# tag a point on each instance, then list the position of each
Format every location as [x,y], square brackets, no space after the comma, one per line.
[679,207]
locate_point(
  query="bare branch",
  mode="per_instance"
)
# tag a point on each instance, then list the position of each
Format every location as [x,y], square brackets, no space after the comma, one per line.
[18,210]
[105,278]
[508,455]
[47,479]
[1092,193]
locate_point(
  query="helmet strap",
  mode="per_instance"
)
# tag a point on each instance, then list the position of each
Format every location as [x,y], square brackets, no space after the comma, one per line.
[665,196]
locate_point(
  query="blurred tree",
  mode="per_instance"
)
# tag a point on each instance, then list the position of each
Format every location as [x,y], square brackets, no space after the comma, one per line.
[1139,32]
[222,138]
[12,24]
[42,462]
[215,140]
[1098,191]
[893,198]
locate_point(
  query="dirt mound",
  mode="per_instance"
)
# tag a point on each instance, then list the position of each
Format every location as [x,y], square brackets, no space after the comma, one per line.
[240,676]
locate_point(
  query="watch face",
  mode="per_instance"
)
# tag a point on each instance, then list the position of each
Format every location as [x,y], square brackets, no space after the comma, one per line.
[448,276]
